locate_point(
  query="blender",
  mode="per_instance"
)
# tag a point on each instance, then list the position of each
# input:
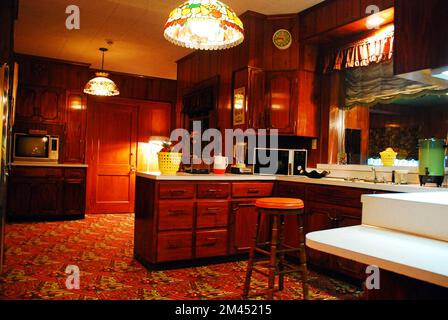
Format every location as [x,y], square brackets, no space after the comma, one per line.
[432,161]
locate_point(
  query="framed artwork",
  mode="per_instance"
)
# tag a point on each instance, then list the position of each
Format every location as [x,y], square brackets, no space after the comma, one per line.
[239,106]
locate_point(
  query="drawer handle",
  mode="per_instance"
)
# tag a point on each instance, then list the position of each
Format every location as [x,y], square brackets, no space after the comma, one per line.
[174,192]
[253,191]
[176,212]
[212,209]
[174,245]
[210,242]
[212,190]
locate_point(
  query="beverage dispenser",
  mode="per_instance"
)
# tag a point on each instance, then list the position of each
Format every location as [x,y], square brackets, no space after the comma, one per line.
[432,161]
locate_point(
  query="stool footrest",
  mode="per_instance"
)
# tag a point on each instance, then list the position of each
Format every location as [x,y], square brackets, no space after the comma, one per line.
[268,253]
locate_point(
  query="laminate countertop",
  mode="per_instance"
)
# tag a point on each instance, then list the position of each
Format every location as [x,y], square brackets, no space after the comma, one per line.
[49,165]
[409,188]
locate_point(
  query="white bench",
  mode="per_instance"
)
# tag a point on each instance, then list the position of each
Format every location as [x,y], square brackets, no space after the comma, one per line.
[406,234]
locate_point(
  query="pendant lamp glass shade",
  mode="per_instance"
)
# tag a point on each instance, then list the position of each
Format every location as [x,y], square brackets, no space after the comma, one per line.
[101,85]
[204,25]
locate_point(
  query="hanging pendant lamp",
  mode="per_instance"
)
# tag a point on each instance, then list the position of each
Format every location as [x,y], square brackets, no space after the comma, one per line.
[204,25]
[101,85]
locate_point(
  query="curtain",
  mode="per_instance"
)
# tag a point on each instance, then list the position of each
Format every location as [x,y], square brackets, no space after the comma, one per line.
[377,84]
[374,49]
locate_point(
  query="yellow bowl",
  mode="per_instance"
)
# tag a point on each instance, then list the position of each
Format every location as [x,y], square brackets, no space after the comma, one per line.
[169,162]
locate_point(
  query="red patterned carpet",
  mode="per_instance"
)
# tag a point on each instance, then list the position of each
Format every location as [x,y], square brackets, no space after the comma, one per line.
[37,255]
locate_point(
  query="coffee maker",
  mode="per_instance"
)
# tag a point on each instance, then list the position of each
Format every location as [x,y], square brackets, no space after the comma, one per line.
[432,161]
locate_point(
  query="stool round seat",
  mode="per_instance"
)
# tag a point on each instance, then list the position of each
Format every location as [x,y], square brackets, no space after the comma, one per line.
[279,203]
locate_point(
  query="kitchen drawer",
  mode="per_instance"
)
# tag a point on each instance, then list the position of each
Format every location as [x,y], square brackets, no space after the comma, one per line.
[211,243]
[176,191]
[347,197]
[247,190]
[212,214]
[75,173]
[173,246]
[290,190]
[37,172]
[176,215]
[214,190]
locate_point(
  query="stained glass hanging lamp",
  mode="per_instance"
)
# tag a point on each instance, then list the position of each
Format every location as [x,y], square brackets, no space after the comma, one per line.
[204,25]
[101,85]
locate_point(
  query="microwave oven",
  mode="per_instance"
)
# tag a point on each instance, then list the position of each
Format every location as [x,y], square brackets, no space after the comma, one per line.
[36,147]
[287,162]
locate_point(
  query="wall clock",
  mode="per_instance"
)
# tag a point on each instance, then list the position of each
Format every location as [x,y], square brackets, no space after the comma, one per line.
[282,39]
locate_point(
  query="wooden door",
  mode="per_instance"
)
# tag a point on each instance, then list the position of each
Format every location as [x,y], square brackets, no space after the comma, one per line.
[113,150]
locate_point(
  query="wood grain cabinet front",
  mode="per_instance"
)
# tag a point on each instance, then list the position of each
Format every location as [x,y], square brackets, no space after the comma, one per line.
[40,193]
[173,246]
[211,243]
[214,190]
[212,214]
[252,190]
[176,215]
[176,191]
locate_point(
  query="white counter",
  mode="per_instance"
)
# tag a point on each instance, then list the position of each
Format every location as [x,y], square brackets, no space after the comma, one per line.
[301,179]
[49,164]
[403,233]
[207,177]
[416,257]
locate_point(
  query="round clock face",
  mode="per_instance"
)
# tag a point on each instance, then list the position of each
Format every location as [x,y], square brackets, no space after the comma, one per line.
[282,39]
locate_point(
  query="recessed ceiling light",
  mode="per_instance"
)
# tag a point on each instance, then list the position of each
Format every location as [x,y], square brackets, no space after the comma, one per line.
[375,21]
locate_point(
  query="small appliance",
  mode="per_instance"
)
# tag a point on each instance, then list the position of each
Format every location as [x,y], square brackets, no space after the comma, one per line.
[36,147]
[432,161]
[220,164]
[287,162]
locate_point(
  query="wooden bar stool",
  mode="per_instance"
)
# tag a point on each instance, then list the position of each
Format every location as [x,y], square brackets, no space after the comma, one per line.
[276,209]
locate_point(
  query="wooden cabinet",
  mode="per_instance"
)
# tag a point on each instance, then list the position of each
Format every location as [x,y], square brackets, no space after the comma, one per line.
[75,132]
[37,193]
[420,35]
[326,207]
[192,220]
[40,104]
[281,88]
[333,14]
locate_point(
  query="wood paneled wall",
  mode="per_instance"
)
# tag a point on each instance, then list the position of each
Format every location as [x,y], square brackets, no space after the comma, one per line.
[62,81]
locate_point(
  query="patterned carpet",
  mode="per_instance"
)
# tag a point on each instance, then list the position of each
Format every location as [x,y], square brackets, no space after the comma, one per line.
[37,255]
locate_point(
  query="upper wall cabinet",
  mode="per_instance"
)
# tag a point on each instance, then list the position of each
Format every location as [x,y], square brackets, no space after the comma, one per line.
[332,14]
[421,39]
[40,104]
[281,88]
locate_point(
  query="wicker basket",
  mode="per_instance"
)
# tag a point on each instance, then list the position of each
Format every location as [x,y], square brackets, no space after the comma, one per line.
[169,162]
[388,157]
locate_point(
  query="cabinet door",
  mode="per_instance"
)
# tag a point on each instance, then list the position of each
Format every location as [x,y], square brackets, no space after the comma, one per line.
[46,197]
[319,218]
[74,196]
[51,105]
[244,225]
[257,98]
[26,106]
[19,196]
[282,101]
[75,135]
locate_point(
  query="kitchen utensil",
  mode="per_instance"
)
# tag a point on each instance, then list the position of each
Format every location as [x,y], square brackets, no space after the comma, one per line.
[220,164]
[431,156]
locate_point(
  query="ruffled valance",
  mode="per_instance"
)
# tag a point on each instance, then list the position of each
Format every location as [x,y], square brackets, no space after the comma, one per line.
[374,49]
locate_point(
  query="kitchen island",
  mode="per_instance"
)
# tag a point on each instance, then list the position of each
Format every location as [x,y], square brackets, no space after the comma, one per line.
[187,217]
